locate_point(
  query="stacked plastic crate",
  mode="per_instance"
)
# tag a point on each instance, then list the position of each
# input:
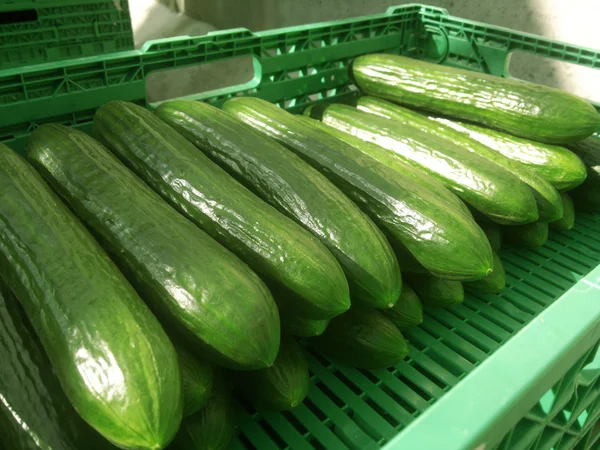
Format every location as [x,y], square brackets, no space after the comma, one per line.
[38,31]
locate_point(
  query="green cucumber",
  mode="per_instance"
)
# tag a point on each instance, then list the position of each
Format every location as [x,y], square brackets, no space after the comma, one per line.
[524,109]
[282,386]
[484,185]
[407,212]
[193,284]
[435,292]
[301,327]
[295,264]
[557,165]
[196,381]
[298,190]
[532,235]
[493,283]
[407,313]
[546,196]
[35,414]
[494,235]
[567,221]
[213,427]
[378,153]
[586,197]
[110,354]
[362,338]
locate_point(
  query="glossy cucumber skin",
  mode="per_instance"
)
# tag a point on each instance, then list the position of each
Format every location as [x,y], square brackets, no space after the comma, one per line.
[524,109]
[282,386]
[211,428]
[196,381]
[484,185]
[493,283]
[362,338]
[87,316]
[555,164]
[532,235]
[586,197]
[298,190]
[192,283]
[567,221]
[547,198]
[437,293]
[35,414]
[288,257]
[407,313]
[405,211]
[380,154]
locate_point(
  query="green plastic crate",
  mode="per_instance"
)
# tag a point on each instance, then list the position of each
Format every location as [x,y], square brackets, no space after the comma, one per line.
[38,31]
[510,371]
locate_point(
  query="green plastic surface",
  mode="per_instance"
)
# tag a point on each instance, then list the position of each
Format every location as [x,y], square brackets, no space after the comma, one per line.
[38,31]
[510,371]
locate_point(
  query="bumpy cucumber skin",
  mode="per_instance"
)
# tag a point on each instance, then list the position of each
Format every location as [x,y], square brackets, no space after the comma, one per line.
[282,386]
[532,235]
[196,381]
[298,190]
[194,285]
[378,153]
[555,164]
[547,198]
[484,185]
[407,313]
[433,232]
[493,283]
[211,428]
[87,316]
[524,109]
[362,338]
[35,414]
[288,257]
[586,197]
[435,292]
[567,221]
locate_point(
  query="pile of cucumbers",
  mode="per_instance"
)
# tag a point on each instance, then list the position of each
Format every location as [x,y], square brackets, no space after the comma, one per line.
[178,258]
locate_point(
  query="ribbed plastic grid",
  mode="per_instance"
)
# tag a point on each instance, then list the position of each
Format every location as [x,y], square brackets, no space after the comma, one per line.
[358,409]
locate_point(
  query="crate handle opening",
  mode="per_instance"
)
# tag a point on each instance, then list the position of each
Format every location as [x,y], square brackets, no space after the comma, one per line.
[224,78]
[22,15]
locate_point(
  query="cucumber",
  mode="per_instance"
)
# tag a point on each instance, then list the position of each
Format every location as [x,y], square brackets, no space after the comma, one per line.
[362,338]
[405,211]
[35,414]
[493,283]
[295,264]
[407,313]
[110,354]
[296,189]
[435,292]
[532,235]
[555,164]
[494,235]
[213,427]
[193,284]
[567,221]
[301,327]
[196,380]
[586,197]
[524,109]
[484,185]
[546,196]
[282,386]
[378,153]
